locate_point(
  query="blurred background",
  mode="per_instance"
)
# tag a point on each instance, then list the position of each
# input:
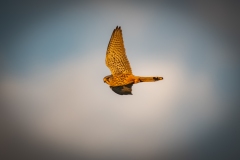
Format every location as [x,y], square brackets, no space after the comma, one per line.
[54,104]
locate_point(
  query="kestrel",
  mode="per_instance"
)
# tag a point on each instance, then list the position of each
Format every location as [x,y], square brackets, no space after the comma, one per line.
[121,80]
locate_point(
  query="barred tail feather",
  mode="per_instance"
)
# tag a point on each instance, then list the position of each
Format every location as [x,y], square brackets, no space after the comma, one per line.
[150,79]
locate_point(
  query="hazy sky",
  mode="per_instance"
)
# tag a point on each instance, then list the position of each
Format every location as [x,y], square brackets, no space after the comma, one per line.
[52,81]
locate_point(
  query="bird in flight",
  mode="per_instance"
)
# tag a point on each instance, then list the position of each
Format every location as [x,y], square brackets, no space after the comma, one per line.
[121,79]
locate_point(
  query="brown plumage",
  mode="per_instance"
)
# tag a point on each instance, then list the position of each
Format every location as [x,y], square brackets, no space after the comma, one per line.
[121,79]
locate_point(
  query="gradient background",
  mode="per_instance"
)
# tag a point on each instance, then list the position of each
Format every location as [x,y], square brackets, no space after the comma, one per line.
[54,104]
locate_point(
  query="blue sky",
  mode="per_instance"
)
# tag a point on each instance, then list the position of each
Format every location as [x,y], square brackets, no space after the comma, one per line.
[53,78]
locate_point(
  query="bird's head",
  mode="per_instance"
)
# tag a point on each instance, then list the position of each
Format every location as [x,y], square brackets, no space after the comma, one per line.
[107,79]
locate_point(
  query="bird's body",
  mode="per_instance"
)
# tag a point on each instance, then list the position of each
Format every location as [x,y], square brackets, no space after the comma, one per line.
[121,79]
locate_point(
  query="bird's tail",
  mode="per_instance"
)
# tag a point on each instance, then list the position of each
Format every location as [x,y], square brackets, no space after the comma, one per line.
[150,79]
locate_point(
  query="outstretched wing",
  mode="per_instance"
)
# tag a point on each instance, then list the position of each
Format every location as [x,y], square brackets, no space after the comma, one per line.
[123,90]
[116,58]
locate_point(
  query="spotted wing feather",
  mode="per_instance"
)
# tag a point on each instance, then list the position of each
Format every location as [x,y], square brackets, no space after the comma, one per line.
[116,58]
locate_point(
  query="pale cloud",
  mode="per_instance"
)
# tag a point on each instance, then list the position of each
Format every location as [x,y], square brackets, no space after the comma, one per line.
[70,106]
